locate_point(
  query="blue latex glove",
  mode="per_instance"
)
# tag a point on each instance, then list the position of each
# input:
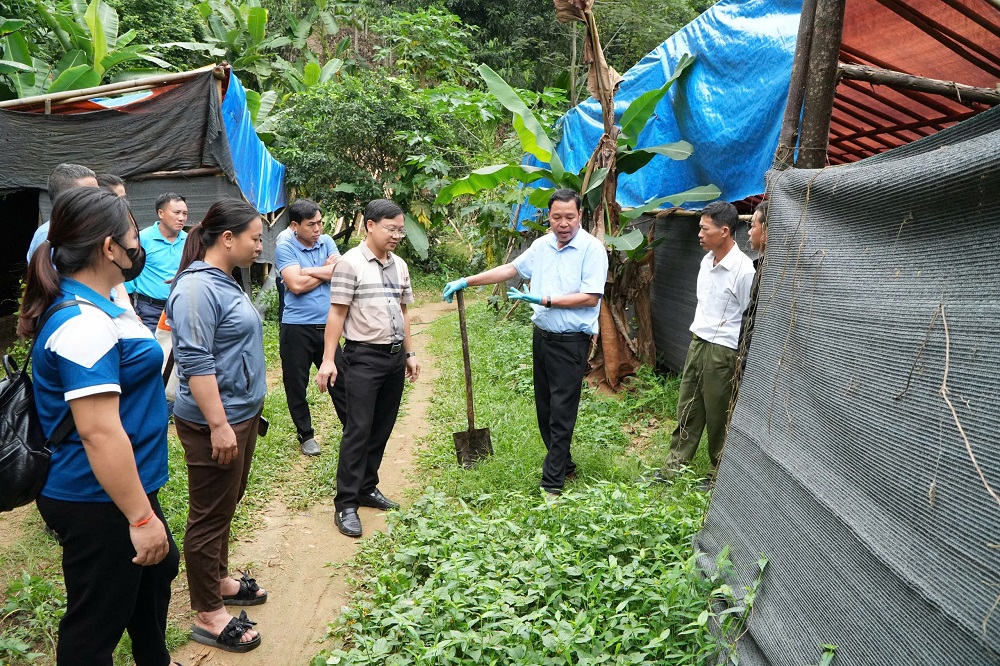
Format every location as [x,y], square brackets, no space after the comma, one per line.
[515,295]
[452,287]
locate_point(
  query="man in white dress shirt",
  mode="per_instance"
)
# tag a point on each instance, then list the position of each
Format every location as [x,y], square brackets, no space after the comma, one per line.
[724,282]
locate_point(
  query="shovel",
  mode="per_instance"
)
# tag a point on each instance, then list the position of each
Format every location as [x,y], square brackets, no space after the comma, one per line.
[471,445]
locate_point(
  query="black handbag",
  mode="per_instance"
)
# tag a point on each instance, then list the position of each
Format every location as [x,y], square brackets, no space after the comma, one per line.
[24,450]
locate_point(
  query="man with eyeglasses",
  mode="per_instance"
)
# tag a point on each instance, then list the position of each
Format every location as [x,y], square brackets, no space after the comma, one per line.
[567,269]
[369,293]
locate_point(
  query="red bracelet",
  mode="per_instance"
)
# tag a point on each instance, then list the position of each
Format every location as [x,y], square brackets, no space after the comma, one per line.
[143,522]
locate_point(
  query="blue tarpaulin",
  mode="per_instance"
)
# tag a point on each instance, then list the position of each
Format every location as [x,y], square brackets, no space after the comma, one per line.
[728,104]
[261,177]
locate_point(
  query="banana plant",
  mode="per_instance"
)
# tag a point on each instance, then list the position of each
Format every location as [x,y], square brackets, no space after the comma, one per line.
[536,142]
[92,47]
[240,32]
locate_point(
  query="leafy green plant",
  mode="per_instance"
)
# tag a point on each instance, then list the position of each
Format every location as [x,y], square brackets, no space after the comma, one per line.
[429,45]
[366,138]
[34,606]
[604,575]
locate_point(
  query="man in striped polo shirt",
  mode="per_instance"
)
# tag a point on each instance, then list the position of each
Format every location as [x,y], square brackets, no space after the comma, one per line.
[369,293]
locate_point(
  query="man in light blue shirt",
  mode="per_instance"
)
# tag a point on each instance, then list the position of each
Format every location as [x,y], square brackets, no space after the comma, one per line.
[164,245]
[567,269]
[305,262]
[63,177]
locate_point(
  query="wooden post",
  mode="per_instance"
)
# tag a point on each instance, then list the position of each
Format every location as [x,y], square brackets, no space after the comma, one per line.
[824,55]
[789,136]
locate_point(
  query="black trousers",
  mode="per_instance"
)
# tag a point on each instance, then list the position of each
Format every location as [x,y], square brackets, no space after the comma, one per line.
[301,348]
[106,594]
[559,363]
[374,386]
[148,313]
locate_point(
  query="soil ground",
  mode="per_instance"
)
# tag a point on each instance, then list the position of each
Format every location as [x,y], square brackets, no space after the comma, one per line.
[298,555]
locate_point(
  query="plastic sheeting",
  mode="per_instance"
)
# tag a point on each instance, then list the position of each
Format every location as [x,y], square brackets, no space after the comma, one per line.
[845,463]
[728,104]
[177,130]
[260,176]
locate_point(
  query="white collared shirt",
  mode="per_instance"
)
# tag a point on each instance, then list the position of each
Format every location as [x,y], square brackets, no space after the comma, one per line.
[723,295]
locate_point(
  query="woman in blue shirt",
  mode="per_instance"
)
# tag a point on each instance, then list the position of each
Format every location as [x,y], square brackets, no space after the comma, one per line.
[219,348]
[98,362]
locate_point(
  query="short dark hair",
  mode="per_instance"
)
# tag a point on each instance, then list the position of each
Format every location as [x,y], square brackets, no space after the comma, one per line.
[302,209]
[722,214]
[167,197]
[566,195]
[381,209]
[109,180]
[65,176]
[762,209]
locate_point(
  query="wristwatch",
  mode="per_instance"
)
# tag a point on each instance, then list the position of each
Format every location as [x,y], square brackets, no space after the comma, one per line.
[409,354]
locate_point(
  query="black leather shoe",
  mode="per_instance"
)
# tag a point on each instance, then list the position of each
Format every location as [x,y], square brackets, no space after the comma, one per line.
[377,500]
[348,522]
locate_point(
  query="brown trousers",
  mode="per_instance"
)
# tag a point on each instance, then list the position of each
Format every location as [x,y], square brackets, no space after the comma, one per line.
[213,492]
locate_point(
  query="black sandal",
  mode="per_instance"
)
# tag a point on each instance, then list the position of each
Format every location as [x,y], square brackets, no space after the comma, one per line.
[229,638]
[247,596]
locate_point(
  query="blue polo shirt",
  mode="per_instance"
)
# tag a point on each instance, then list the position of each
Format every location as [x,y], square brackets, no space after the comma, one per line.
[84,351]
[579,267]
[163,258]
[313,306]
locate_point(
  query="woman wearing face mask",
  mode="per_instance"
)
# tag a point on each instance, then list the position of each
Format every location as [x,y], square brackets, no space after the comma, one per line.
[219,350]
[98,362]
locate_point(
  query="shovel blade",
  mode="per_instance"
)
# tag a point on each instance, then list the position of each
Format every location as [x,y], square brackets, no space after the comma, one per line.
[471,446]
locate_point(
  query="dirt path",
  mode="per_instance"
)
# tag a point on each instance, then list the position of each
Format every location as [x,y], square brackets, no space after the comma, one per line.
[295,554]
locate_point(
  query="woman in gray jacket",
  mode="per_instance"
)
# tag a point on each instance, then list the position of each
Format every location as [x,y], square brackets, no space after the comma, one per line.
[219,350]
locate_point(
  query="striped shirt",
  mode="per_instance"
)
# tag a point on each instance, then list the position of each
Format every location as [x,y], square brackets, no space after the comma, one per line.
[374,293]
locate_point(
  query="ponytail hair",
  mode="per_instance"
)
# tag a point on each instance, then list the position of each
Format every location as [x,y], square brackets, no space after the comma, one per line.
[229,214]
[82,217]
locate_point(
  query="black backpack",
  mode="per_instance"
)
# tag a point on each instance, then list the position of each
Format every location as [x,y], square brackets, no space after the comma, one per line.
[24,450]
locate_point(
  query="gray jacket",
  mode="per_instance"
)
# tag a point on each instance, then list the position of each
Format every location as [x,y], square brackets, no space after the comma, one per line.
[216,331]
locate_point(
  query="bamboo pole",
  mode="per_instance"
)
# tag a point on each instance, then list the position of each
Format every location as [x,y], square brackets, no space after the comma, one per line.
[957,91]
[789,136]
[817,109]
[97,91]
[185,173]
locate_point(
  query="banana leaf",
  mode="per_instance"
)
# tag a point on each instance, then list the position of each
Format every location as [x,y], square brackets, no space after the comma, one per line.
[533,138]
[642,107]
[630,161]
[489,177]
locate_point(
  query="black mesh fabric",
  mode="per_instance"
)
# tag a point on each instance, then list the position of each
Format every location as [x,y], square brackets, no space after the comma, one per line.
[179,129]
[844,464]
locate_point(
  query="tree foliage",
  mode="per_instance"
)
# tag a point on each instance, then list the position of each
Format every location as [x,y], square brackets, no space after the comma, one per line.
[363,138]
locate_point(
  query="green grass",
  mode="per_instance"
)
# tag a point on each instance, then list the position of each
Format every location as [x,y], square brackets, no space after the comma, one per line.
[617,438]
[481,569]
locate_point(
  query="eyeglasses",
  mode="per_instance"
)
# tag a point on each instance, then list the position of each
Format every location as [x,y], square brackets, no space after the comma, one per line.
[398,233]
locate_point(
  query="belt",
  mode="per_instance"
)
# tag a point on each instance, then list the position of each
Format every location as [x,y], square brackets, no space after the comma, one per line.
[574,337]
[390,348]
[158,302]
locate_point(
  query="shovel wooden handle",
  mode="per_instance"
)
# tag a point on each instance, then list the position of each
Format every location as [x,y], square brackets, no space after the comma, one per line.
[465,358]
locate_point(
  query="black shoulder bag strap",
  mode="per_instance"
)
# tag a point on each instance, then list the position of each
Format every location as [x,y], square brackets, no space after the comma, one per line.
[65,426]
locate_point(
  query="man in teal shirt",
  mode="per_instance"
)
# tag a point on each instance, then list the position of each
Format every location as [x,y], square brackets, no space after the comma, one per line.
[164,244]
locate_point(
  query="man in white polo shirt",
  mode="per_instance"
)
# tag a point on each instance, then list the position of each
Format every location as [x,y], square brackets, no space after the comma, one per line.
[724,281]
